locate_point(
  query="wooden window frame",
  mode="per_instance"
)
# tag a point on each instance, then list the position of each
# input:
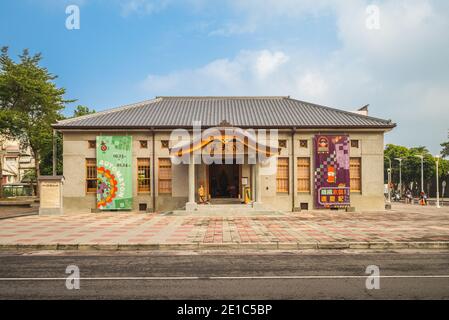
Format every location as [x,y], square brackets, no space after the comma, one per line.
[91,167]
[359,174]
[144,164]
[160,179]
[305,178]
[283,167]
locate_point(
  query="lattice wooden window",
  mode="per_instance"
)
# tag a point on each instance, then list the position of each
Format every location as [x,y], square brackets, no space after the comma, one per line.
[356,174]
[282,175]
[164,175]
[92,144]
[91,175]
[303,174]
[143,175]
[303,144]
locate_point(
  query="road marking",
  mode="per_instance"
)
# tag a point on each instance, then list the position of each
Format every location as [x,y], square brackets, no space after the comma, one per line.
[232,278]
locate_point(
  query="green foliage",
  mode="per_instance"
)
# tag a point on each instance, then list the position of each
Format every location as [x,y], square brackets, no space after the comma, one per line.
[30,102]
[411,165]
[82,111]
[445,151]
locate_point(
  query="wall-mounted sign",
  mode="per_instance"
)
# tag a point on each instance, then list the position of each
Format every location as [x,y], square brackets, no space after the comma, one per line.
[114,172]
[332,180]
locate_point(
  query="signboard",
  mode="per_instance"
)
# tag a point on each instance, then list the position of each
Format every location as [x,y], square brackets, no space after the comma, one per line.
[332,180]
[50,194]
[114,172]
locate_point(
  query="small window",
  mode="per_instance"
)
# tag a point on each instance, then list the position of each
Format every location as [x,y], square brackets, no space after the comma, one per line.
[355,144]
[303,174]
[164,176]
[91,175]
[282,175]
[142,207]
[282,143]
[92,144]
[303,144]
[143,144]
[143,175]
[304,206]
[164,144]
[355,173]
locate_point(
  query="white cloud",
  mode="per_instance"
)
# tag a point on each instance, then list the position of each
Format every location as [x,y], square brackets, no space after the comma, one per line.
[312,85]
[143,7]
[267,62]
[400,69]
[222,76]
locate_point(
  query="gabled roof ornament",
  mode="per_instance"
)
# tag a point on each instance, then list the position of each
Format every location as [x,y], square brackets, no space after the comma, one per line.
[225,124]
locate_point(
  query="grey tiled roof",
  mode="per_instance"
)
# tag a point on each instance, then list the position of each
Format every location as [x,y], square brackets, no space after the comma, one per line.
[244,112]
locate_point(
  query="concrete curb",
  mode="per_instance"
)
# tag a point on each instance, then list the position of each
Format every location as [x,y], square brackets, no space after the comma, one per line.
[227,246]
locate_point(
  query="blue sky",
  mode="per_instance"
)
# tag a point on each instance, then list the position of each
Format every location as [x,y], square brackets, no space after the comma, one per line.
[319,51]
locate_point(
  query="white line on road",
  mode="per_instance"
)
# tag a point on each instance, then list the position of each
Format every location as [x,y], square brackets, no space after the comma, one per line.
[232,278]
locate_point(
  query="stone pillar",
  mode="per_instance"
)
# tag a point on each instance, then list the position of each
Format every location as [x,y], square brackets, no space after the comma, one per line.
[51,195]
[253,182]
[258,181]
[191,205]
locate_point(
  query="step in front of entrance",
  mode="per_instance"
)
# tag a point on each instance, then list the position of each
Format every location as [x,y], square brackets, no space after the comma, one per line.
[227,209]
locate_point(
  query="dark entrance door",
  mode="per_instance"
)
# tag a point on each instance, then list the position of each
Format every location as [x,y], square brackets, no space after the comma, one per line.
[224,180]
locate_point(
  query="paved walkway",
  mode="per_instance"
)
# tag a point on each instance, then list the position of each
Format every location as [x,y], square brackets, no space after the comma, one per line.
[402,224]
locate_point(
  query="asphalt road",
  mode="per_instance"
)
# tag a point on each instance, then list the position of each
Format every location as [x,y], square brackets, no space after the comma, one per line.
[249,275]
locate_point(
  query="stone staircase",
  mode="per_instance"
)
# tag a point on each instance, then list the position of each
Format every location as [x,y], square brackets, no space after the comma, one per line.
[226,207]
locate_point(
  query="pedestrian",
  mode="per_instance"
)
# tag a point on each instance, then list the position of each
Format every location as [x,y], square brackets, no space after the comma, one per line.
[423,198]
[201,194]
[408,196]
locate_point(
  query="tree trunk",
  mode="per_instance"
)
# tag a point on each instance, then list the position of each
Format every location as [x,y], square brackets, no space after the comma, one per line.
[37,169]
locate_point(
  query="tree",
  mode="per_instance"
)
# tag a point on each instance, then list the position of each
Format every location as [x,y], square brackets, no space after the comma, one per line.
[46,165]
[445,151]
[411,166]
[30,102]
[82,111]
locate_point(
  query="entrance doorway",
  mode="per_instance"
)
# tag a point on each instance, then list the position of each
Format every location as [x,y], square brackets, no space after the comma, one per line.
[224,180]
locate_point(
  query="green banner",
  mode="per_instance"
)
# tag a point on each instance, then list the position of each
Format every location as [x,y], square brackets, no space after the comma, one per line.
[114,173]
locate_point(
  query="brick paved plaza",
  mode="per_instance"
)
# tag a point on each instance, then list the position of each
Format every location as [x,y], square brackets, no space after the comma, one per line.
[402,224]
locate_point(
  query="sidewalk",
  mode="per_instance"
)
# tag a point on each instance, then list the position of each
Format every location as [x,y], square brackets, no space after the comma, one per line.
[403,227]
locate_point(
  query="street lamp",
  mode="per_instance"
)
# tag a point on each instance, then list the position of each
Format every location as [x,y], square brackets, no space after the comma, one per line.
[422,171]
[437,162]
[389,180]
[400,174]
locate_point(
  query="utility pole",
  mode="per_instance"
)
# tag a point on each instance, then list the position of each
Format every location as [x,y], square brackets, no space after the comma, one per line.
[437,162]
[54,153]
[422,171]
[400,174]
[389,180]
[1,167]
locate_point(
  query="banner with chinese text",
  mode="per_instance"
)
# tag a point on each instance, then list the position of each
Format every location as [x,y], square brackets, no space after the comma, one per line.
[114,172]
[332,180]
